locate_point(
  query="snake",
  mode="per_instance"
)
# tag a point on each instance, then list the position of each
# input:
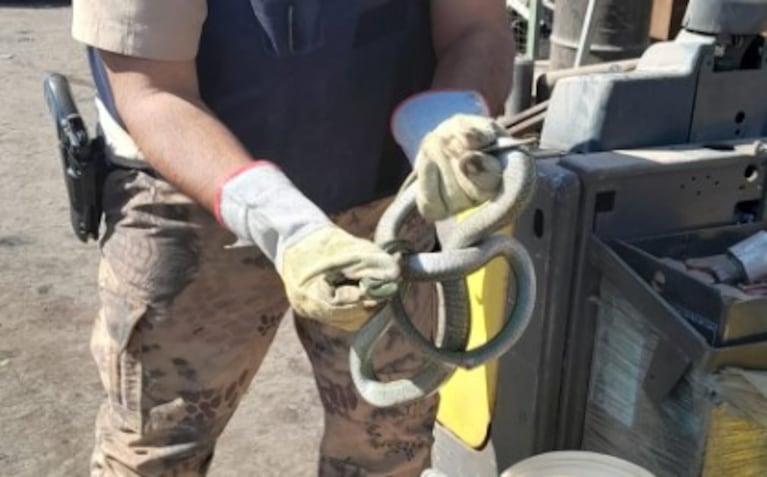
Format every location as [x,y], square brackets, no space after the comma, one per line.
[467,248]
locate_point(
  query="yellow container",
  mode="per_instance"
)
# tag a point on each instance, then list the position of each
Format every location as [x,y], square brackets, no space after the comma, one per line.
[468,398]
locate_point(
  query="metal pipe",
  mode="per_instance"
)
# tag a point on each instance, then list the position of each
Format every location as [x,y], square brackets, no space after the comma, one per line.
[533,29]
[587,34]
[522,86]
[547,81]
[524,115]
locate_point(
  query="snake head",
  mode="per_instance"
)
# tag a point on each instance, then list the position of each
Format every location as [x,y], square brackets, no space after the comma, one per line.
[377,289]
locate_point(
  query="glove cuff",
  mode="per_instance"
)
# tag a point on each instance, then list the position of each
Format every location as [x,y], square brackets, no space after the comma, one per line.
[223,181]
[261,206]
[420,114]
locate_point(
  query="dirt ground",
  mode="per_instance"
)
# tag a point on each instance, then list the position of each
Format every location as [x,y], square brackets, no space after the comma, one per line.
[48,385]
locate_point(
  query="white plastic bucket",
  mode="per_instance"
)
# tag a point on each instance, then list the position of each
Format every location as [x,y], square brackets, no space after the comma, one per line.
[575,464]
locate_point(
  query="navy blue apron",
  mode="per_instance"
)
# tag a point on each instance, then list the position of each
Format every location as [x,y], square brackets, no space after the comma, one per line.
[311,85]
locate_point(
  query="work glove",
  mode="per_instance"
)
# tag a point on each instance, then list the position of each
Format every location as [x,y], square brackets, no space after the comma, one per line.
[327,275]
[327,272]
[443,134]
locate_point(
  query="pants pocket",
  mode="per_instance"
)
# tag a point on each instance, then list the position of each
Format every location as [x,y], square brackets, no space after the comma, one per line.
[116,348]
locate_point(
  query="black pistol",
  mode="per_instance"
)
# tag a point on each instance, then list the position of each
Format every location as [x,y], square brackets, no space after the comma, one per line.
[82,158]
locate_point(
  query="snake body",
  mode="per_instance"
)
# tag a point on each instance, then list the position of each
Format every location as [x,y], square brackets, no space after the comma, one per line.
[467,248]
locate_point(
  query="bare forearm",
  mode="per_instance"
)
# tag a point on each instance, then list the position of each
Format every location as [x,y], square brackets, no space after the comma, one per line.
[481,60]
[184,142]
[159,103]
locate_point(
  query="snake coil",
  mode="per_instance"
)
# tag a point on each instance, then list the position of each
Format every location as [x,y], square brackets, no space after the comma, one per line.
[467,248]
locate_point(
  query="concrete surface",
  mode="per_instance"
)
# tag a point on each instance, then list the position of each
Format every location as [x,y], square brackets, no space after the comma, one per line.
[48,385]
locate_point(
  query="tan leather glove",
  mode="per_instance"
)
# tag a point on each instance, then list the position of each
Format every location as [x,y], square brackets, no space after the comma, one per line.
[321,265]
[322,273]
[453,174]
[442,133]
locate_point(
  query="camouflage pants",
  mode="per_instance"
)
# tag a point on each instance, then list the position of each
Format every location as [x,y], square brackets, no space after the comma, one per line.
[185,323]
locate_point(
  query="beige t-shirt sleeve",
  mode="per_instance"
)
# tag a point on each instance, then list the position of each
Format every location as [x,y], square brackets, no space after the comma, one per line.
[152,29]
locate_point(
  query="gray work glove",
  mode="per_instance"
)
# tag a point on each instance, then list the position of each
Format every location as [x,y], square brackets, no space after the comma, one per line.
[324,269]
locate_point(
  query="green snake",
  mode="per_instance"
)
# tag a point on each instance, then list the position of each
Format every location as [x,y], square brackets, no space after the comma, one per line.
[467,248]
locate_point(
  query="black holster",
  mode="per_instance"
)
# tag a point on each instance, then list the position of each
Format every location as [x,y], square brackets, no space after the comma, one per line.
[83,159]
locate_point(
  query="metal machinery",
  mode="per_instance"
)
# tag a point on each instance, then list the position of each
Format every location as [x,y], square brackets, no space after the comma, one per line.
[671,148]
